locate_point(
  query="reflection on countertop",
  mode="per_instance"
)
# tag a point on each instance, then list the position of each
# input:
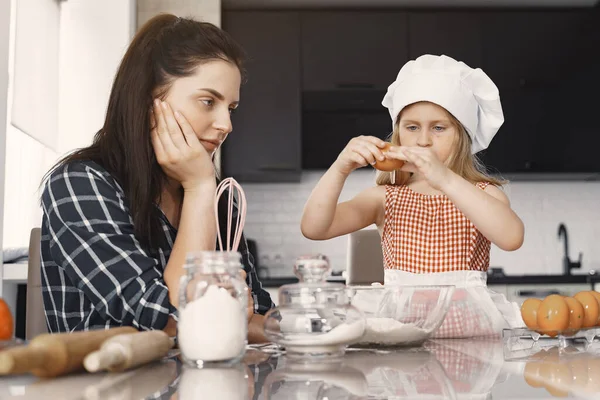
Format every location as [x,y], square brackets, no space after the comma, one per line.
[444,369]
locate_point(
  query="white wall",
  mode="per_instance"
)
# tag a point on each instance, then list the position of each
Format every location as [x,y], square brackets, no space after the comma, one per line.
[274,212]
[32,130]
[5,12]
[93,37]
[204,10]
[88,53]
[34,109]
[27,160]
[60,99]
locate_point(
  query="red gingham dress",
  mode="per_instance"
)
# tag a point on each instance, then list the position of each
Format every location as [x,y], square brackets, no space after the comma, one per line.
[427,233]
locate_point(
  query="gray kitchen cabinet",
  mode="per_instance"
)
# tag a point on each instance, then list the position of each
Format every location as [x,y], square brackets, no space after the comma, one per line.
[352,49]
[455,34]
[528,50]
[266,144]
[535,59]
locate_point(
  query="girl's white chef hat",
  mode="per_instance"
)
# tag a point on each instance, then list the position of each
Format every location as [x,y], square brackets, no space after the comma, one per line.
[467,93]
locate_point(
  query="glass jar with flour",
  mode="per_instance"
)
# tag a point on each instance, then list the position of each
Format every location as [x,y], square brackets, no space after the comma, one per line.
[213,298]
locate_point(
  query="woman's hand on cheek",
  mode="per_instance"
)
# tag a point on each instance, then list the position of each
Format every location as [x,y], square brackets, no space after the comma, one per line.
[178,150]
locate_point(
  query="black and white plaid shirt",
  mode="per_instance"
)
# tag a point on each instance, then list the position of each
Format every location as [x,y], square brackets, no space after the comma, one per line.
[95,273]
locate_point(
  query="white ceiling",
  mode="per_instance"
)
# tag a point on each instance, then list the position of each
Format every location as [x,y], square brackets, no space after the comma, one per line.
[266,4]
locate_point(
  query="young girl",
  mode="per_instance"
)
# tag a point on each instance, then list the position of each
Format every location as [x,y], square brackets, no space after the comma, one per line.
[439,212]
[120,215]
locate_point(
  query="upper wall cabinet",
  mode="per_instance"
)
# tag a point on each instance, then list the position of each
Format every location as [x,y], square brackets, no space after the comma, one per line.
[530,49]
[265,144]
[429,33]
[352,49]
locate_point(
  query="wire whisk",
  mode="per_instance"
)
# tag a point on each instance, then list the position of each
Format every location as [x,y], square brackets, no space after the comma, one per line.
[231,186]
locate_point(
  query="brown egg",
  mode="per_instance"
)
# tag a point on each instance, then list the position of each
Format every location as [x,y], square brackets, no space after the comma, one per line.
[591,308]
[597,296]
[553,315]
[388,164]
[529,311]
[576,314]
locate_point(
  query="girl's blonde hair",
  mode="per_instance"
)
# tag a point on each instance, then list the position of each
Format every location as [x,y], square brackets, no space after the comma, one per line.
[462,161]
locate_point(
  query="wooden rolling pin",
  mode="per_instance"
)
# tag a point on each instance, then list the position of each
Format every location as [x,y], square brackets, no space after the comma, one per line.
[50,355]
[127,351]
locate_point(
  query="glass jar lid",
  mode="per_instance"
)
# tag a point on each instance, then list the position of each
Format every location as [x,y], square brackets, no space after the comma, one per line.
[312,288]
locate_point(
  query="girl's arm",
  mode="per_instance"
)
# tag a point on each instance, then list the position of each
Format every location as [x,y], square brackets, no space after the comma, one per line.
[488,210]
[323,217]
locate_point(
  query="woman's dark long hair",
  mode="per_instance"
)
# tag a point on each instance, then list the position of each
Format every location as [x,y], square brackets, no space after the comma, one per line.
[165,48]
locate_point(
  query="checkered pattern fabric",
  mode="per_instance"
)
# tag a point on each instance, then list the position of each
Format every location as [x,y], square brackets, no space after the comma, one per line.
[427,234]
[466,318]
[95,272]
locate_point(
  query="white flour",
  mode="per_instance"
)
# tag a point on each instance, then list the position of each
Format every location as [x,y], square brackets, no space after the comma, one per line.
[388,331]
[212,327]
[342,334]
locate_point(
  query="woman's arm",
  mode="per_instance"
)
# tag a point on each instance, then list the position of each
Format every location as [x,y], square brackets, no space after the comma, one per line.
[183,159]
[196,232]
[91,238]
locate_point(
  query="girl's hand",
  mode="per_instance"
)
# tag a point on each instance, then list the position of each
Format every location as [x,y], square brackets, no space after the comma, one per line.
[359,152]
[177,148]
[422,160]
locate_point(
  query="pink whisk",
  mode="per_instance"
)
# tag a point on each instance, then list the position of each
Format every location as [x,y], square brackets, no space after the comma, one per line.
[231,185]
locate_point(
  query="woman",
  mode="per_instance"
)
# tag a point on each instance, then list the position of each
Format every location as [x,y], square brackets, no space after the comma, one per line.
[120,215]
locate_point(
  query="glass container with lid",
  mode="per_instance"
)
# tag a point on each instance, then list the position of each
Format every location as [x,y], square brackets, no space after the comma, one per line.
[314,319]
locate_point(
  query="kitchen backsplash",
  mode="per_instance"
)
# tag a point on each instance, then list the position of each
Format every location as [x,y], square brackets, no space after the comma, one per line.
[274,212]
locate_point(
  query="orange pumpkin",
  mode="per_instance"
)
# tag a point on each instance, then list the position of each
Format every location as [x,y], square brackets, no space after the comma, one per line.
[6,321]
